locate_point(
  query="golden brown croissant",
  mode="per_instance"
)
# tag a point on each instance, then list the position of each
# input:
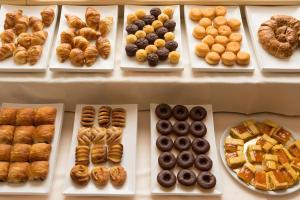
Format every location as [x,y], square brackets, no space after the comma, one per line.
[77,57]
[47,15]
[89,33]
[105,25]
[80,42]
[39,38]
[36,24]
[8,36]
[24,39]
[103,46]
[34,54]
[7,50]
[92,18]
[21,25]
[63,51]
[75,22]
[90,55]
[11,18]
[20,55]
[67,36]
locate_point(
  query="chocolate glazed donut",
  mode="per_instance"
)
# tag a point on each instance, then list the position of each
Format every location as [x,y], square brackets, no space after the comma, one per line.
[200,145]
[167,160]
[164,127]
[166,178]
[203,162]
[206,180]
[186,177]
[163,111]
[181,128]
[185,159]
[164,143]
[198,129]
[180,112]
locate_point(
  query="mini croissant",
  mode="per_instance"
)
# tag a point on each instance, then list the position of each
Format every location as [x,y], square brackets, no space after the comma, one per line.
[7,50]
[92,18]
[39,38]
[103,46]
[105,26]
[63,51]
[47,15]
[90,55]
[36,24]
[24,39]
[67,36]
[11,18]
[80,42]
[89,33]
[7,36]
[77,57]
[20,55]
[34,54]
[21,25]
[75,22]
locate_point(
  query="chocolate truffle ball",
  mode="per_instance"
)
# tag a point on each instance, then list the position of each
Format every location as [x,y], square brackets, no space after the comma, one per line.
[155,12]
[162,53]
[152,59]
[170,25]
[142,43]
[151,37]
[132,28]
[139,23]
[131,50]
[171,45]
[161,32]
[148,19]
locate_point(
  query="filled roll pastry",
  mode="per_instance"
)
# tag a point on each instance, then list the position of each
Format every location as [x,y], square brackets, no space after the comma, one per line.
[34,54]
[6,134]
[104,115]
[99,135]
[44,134]
[45,115]
[92,18]
[25,117]
[40,152]
[75,22]
[7,36]
[113,136]
[5,150]
[8,116]
[82,155]
[20,55]
[100,175]
[36,24]
[11,18]
[18,172]
[23,134]
[98,154]
[38,171]
[115,153]
[4,166]
[87,116]
[20,153]
[47,15]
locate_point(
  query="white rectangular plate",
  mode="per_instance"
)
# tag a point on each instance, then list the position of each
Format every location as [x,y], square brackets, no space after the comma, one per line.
[256,15]
[9,65]
[199,64]
[178,189]
[43,187]
[101,65]
[128,160]
[131,64]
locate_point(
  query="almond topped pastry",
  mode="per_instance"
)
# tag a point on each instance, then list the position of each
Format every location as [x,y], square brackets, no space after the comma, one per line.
[245,131]
[233,145]
[247,172]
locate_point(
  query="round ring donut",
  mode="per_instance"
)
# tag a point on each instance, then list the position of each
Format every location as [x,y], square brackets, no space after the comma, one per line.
[164,127]
[164,143]
[200,146]
[182,143]
[185,159]
[181,128]
[186,177]
[198,113]
[167,160]
[203,162]
[198,129]
[166,178]
[206,180]
[180,112]
[163,111]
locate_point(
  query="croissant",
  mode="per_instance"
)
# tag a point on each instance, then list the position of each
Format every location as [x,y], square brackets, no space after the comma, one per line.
[21,25]
[11,18]
[63,51]
[103,47]
[7,36]
[7,50]
[20,55]
[34,54]
[89,33]
[24,39]
[47,15]
[92,18]
[77,57]
[36,24]
[67,36]
[75,22]
[105,25]
[39,38]
[80,42]
[90,55]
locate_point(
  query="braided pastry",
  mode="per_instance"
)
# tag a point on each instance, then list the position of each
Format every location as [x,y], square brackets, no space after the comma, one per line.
[87,116]
[98,154]
[85,136]
[34,54]
[99,135]
[103,46]
[39,38]
[21,25]
[77,57]
[36,24]
[63,51]
[115,153]
[7,36]
[118,117]
[7,50]
[113,135]
[105,25]
[104,116]
[80,43]
[67,36]
[11,18]
[20,55]
[47,15]
[24,40]
[92,18]
[75,22]
[80,174]
[90,55]
[82,155]
[88,33]
[100,175]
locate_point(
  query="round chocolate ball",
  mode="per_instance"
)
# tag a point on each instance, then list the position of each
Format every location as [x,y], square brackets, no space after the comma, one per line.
[155,12]
[170,25]
[162,53]
[139,23]
[148,19]
[132,28]
[152,59]
[151,37]
[171,45]
[131,49]
[161,32]
[142,43]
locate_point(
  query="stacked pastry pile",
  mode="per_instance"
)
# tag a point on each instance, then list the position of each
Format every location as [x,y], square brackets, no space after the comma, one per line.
[17,42]
[103,143]
[150,36]
[77,43]
[25,143]
[272,160]
[220,39]
[189,145]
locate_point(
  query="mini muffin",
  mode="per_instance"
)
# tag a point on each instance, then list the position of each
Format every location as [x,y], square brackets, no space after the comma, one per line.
[209,40]
[205,22]
[140,34]
[210,30]
[199,32]
[157,24]
[163,17]
[218,48]
[131,39]
[224,30]
[159,43]
[243,58]
[209,13]
[151,49]
[195,14]
[169,36]
[131,18]
[219,21]
[220,10]
[140,13]
[212,58]
[234,24]
[169,11]
[141,55]
[228,58]
[148,29]
[235,37]
[174,57]
[221,39]
[233,47]
[201,49]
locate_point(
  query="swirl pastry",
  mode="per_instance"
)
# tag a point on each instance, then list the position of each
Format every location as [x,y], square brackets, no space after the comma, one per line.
[118,117]
[20,153]
[38,171]
[82,155]
[99,135]
[117,175]
[4,166]
[92,18]
[7,36]
[45,115]
[87,116]
[67,36]
[25,117]
[7,50]
[36,24]
[22,24]
[103,46]
[18,172]
[90,55]
[85,136]
[115,153]
[75,22]
[113,135]
[39,38]
[105,26]
[40,152]
[88,33]
[98,154]
[80,174]
[34,54]
[8,116]
[6,134]
[100,175]
[104,116]
[11,18]
[24,40]
[47,15]
[63,51]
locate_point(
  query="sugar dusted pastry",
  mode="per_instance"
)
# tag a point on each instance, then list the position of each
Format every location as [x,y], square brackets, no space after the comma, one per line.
[266,142]
[47,15]
[80,43]
[261,181]
[219,21]
[40,152]
[220,10]
[24,40]
[4,167]
[7,36]
[98,154]
[100,175]
[67,36]
[23,134]
[255,154]
[20,153]
[235,37]
[218,48]
[202,49]
[34,54]
[36,24]
[209,40]
[104,47]
[99,135]
[11,18]
[38,171]
[233,47]
[8,116]
[85,136]
[90,55]
[118,175]
[5,150]
[45,115]
[22,24]
[220,39]
[92,17]
[195,14]
[80,175]
[77,57]
[87,116]
[105,25]
[6,134]
[115,153]
[247,172]
[233,145]
[39,38]
[43,134]
[224,30]
[82,155]
[210,30]
[282,153]
[234,24]
[18,172]
[63,51]
[75,22]
[294,148]
[270,162]
[7,50]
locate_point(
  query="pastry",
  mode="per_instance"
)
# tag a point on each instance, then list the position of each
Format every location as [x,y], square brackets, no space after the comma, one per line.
[118,117]
[261,180]
[90,55]
[157,24]
[195,14]
[233,145]
[24,40]
[39,38]
[282,153]
[220,10]
[224,30]
[75,22]
[104,47]
[209,40]
[92,18]
[67,36]
[139,23]
[163,17]
[201,49]
[210,30]
[164,127]
[166,178]
[22,24]
[140,34]
[163,111]
[255,154]
[200,146]
[266,142]
[100,175]
[80,43]
[113,135]
[203,162]
[6,134]
[164,143]
[131,50]
[63,51]
[182,143]
[294,148]
[131,28]
[162,53]
[159,43]
[98,154]
[88,33]
[115,153]
[235,37]
[276,180]
[170,25]
[209,13]
[243,58]
[131,39]
[45,115]
[77,57]
[8,116]
[245,131]
[7,36]
[247,172]
[38,171]
[82,155]
[36,24]
[34,54]
[98,135]
[11,18]
[234,24]
[169,36]
[180,112]
[151,49]
[131,18]
[267,127]
[199,32]
[212,58]
[282,135]
[80,175]
[148,29]
[171,45]
[181,128]
[25,117]
[105,25]
[174,57]
[221,39]
[235,159]
[117,175]
[161,32]
[218,48]
[167,160]
[23,134]
[40,152]
[233,47]
[5,151]
[104,115]
[4,166]
[155,12]
[270,162]
[205,22]
[87,116]
[185,159]
[140,13]
[85,136]
[198,113]
[43,134]
[7,50]
[168,11]
[152,59]
[206,180]
[47,15]
[198,129]
[228,58]
[186,177]
[18,172]
[219,21]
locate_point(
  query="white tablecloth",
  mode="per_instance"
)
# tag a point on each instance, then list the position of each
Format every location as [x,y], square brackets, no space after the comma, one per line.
[231,189]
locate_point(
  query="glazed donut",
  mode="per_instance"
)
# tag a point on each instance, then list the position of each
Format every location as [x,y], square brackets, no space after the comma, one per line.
[279,35]
[206,180]
[167,160]
[185,159]
[164,143]
[181,128]
[198,113]
[163,111]
[166,178]
[203,162]
[198,129]
[164,127]
[186,177]
[180,112]
[200,146]
[182,143]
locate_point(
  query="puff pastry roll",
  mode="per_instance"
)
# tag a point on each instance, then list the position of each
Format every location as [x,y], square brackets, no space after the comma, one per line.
[85,136]
[38,171]
[43,134]
[4,166]
[5,150]
[23,134]
[20,153]
[18,172]
[40,152]
[82,155]
[8,116]
[45,115]
[6,134]
[25,117]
